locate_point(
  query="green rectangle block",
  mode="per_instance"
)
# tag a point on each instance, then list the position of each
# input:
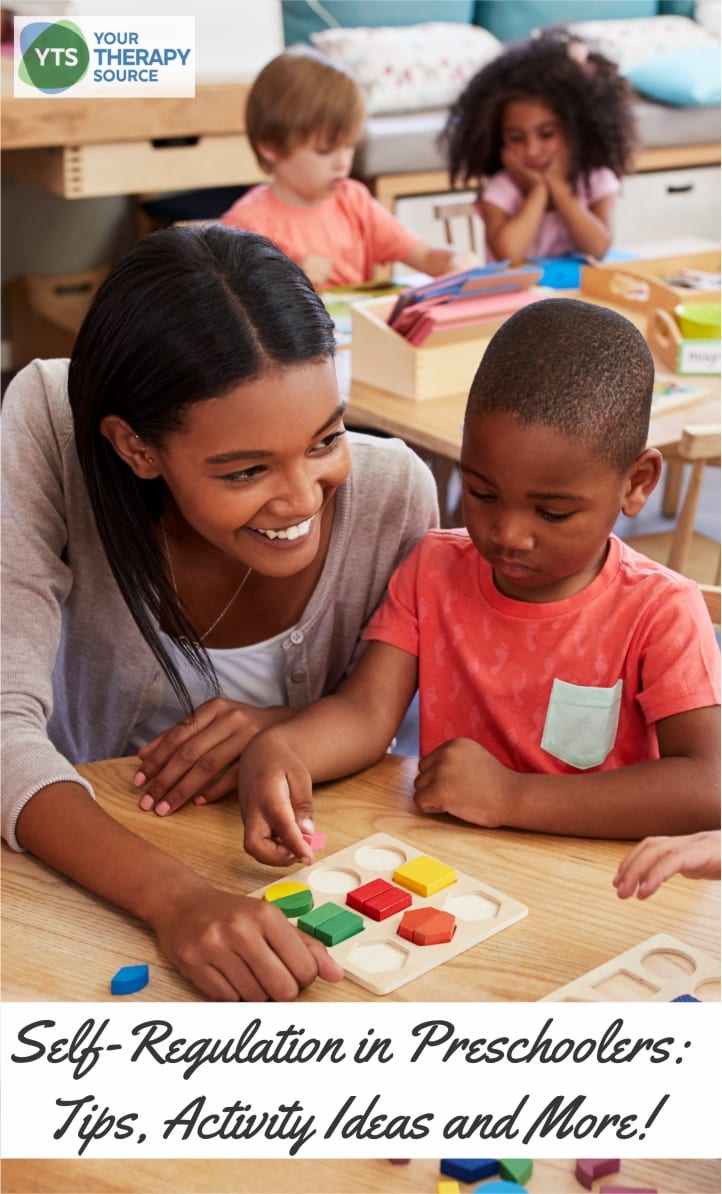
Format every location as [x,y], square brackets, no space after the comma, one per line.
[338,928]
[311,921]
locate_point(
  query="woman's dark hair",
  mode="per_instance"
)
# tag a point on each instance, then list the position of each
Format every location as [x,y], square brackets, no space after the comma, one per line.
[187,315]
[584,90]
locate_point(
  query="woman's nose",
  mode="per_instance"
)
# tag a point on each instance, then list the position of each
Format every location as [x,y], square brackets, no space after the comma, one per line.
[298,493]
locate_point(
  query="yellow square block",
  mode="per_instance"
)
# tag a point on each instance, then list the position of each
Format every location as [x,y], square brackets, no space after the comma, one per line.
[447,1188]
[424,875]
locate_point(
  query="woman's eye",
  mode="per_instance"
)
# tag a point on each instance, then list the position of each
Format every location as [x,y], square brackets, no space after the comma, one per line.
[329,442]
[244,474]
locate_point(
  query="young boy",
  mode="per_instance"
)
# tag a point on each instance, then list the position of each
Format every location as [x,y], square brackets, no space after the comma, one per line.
[567,684]
[304,116]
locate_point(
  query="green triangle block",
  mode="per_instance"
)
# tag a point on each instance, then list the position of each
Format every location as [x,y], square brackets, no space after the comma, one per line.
[516,1171]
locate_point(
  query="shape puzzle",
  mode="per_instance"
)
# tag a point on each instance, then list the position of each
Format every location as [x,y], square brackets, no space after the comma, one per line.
[658,969]
[377,958]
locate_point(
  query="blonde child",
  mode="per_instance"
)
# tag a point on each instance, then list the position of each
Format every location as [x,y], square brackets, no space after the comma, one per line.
[651,862]
[192,545]
[304,117]
[567,684]
[546,131]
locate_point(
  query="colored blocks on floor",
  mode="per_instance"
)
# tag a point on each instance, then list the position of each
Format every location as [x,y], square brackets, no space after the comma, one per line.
[378,899]
[427,926]
[467,1170]
[424,875]
[317,841]
[129,979]
[516,1171]
[588,1171]
[331,923]
[451,1187]
[292,898]
[686,999]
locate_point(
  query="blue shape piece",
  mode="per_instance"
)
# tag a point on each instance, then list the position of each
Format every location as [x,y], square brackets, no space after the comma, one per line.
[500,1188]
[561,273]
[129,979]
[467,1170]
[686,999]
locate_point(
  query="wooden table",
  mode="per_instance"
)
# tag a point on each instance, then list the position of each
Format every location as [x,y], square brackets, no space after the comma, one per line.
[61,943]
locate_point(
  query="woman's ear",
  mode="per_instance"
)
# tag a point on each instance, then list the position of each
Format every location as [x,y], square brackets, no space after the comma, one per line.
[641,482]
[130,447]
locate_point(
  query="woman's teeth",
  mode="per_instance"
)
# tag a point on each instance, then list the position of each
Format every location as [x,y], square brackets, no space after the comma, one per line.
[301,528]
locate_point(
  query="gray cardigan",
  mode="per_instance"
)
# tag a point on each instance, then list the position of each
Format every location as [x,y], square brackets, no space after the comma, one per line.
[76,673]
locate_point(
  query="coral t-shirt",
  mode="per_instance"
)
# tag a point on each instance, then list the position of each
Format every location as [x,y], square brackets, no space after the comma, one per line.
[552,688]
[350,227]
[552,239]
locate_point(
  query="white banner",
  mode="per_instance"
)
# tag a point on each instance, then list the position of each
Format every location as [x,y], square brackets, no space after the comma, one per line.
[104,57]
[361,1080]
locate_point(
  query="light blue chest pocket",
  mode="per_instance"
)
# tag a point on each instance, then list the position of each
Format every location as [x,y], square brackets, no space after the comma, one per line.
[581,723]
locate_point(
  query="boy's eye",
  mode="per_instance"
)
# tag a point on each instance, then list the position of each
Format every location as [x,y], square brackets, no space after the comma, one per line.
[551,516]
[482,497]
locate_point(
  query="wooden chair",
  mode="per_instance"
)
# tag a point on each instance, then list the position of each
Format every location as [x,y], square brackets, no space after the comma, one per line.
[453,208]
[682,548]
[711,594]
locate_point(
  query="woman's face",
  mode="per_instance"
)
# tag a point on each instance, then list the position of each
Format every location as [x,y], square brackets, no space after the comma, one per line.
[252,472]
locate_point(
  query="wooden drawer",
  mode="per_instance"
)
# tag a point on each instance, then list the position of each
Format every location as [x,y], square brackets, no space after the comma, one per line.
[668,204]
[132,167]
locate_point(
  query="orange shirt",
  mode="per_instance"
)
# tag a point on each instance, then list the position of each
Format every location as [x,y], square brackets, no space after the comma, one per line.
[350,227]
[558,687]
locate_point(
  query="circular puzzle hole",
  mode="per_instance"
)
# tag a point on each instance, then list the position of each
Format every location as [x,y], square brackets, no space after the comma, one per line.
[472,906]
[668,963]
[334,881]
[378,957]
[708,991]
[380,858]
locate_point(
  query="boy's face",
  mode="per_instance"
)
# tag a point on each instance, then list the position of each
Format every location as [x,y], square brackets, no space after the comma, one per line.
[309,172]
[538,506]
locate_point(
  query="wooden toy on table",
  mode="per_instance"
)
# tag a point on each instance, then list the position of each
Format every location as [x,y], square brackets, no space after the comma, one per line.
[657,969]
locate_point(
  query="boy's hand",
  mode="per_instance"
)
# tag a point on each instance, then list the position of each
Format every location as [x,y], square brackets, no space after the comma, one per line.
[197,759]
[239,947]
[463,778]
[275,796]
[524,178]
[317,269]
[652,861]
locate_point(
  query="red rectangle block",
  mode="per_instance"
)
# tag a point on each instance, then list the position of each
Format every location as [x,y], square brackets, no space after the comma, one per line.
[358,897]
[386,903]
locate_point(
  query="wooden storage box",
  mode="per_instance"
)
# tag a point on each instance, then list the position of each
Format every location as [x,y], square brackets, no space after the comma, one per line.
[46,313]
[133,167]
[675,352]
[381,357]
[640,285]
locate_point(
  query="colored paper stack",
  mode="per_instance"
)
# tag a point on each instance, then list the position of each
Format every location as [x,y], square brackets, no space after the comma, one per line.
[438,311]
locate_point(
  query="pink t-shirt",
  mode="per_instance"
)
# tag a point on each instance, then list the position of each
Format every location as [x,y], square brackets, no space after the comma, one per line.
[350,227]
[552,239]
[552,688]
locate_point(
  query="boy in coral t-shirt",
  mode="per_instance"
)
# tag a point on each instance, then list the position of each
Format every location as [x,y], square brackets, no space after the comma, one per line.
[304,116]
[567,684]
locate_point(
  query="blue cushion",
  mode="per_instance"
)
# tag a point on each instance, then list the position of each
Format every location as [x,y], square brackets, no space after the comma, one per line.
[681,78]
[512,20]
[300,20]
[676,8]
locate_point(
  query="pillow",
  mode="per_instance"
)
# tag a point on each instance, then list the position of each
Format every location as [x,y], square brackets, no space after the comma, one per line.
[301,18]
[684,78]
[707,12]
[409,68]
[635,40]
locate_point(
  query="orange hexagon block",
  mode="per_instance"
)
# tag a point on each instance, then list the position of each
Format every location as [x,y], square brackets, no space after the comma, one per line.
[427,926]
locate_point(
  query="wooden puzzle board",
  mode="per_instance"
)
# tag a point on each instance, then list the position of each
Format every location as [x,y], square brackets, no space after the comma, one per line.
[377,958]
[658,969]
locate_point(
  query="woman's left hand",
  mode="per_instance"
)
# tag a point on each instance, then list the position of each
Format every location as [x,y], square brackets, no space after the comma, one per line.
[197,759]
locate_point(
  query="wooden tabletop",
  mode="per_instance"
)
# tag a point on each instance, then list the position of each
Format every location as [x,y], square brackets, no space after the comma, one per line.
[89,1176]
[575,919]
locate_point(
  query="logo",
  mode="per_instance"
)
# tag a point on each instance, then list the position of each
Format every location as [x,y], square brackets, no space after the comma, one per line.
[54,56]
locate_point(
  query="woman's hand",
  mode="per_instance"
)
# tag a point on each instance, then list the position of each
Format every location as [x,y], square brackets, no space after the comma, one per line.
[463,778]
[239,947]
[197,759]
[275,795]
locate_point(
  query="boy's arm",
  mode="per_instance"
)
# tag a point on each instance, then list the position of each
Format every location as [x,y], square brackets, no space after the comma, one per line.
[440,259]
[677,793]
[655,859]
[335,736]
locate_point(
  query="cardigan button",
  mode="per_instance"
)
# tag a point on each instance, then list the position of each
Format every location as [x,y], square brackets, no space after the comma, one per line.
[296,636]
[298,677]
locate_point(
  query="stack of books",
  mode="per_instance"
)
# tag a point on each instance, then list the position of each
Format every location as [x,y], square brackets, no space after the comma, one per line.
[440,311]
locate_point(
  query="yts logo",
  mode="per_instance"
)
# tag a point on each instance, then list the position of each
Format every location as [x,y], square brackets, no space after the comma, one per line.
[54,57]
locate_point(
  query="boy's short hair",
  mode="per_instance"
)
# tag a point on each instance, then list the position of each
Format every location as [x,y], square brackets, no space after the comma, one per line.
[298,96]
[574,366]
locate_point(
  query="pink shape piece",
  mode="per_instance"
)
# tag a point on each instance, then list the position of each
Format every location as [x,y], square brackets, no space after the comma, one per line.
[386,903]
[588,1171]
[358,897]
[317,841]
[627,1190]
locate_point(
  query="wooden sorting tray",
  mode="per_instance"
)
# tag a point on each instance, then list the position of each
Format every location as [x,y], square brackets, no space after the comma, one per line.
[658,969]
[641,284]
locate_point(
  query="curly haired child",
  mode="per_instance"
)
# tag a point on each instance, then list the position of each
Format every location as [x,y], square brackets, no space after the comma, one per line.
[546,130]
[304,116]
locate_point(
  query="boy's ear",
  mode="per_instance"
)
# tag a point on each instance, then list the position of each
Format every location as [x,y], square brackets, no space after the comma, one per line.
[268,152]
[642,479]
[130,447]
